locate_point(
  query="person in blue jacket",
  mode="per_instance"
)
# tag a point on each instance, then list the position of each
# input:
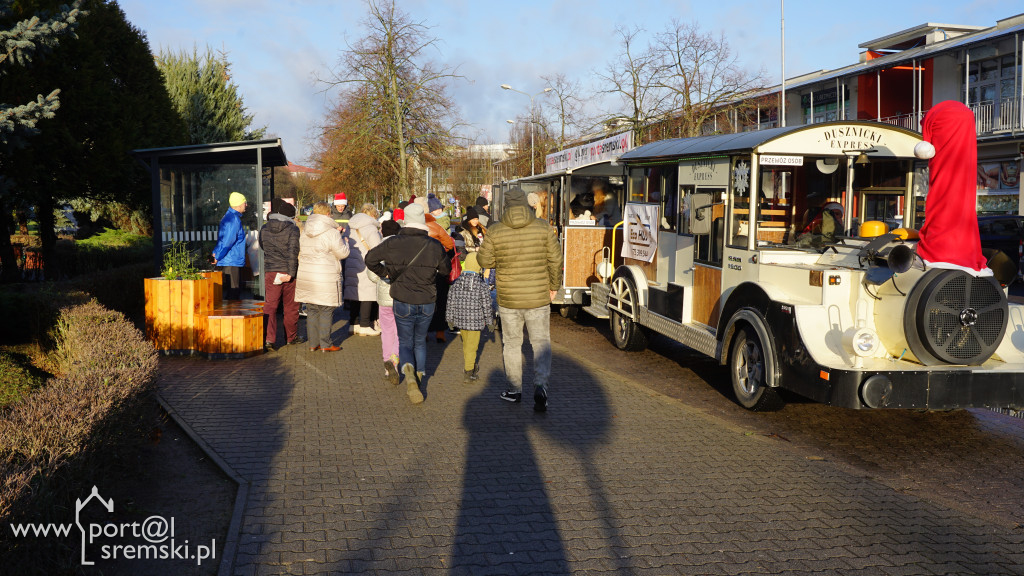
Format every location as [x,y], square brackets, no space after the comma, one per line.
[229,253]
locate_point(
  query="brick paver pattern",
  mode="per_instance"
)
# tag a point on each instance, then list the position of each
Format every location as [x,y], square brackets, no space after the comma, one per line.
[347,477]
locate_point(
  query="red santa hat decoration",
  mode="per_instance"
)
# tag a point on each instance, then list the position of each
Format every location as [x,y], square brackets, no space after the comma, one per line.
[949,236]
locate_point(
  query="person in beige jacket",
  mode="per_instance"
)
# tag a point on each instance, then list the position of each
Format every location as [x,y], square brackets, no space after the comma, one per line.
[318,282]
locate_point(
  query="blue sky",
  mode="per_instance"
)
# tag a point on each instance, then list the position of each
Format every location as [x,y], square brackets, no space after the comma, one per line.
[278,47]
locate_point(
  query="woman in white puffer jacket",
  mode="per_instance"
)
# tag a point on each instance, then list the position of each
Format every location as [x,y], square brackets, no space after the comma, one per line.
[318,281]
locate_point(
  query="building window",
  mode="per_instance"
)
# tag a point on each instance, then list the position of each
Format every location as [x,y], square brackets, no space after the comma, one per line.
[991,80]
[826,105]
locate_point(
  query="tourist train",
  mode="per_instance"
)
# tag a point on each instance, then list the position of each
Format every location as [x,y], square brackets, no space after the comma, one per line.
[787,254]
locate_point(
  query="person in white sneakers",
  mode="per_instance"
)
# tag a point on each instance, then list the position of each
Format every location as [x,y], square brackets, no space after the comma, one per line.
[360,292]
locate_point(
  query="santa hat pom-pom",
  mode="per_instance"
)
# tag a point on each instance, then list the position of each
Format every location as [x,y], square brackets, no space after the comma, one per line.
[924,150]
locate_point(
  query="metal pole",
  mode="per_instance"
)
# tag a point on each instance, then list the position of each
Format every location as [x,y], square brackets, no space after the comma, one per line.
[967,80]
[782,95]
[913,88]
[532,119]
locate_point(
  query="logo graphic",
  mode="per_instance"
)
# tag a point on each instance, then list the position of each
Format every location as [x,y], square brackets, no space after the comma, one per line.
[79,505]
[151,539]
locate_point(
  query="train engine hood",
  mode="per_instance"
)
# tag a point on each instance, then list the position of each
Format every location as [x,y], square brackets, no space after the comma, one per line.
[929,314]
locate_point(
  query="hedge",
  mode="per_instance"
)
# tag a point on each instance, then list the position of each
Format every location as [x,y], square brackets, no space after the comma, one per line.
[53,440]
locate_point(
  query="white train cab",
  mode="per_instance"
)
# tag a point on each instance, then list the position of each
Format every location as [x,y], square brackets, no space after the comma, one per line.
[748,248]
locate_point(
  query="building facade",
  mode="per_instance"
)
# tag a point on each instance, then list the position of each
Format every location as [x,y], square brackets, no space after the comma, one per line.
[900,76]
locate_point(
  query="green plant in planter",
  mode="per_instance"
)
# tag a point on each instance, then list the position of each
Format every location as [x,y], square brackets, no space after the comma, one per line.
[179,263]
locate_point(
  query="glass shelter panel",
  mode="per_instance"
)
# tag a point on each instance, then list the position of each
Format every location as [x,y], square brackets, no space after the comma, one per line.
[193,199]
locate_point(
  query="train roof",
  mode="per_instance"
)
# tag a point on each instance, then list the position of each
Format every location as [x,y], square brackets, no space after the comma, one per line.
[801,139]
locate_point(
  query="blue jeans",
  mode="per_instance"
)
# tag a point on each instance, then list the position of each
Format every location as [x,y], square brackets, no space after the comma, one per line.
[412,321]
[538,324]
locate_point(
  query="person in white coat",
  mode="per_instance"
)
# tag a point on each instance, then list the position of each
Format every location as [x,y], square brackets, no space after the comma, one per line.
[362,235]
[318,281]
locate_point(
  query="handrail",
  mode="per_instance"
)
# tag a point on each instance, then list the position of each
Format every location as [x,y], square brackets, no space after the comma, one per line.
[613,248]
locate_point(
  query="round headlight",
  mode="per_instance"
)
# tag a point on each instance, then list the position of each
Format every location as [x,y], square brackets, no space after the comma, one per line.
[863,341]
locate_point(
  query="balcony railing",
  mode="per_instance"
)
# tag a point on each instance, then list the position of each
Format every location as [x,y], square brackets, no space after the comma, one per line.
[908,121]
[989,119]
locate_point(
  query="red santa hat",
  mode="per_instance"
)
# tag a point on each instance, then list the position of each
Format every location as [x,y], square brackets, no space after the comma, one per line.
[340,198]
[949,236]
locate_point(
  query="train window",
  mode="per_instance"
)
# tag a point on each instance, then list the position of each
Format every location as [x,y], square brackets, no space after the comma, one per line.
[606,204]
[685,201]
[775,205]
[707,223]
[637,177]
[670,202]
[880,174]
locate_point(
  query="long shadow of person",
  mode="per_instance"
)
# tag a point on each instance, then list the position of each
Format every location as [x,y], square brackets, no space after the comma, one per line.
[521,467]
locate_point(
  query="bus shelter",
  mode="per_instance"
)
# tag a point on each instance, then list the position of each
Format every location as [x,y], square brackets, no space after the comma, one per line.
[191,185]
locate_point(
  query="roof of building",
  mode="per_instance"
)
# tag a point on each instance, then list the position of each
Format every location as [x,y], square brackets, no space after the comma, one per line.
[299,169]
[956,37]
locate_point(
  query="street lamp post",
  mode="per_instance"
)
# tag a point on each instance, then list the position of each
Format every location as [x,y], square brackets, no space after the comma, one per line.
[507,87]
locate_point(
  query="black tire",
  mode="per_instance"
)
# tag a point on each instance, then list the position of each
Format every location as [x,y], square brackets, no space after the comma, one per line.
[748,371]
[570,311]
[627,334]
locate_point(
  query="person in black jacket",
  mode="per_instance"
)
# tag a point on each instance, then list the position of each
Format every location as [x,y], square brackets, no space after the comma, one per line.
[411,261]
[279,239]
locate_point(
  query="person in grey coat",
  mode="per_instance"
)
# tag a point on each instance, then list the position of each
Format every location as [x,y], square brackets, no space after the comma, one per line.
[318,283]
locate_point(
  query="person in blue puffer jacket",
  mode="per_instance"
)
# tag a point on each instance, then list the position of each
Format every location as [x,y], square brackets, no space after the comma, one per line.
[229,253]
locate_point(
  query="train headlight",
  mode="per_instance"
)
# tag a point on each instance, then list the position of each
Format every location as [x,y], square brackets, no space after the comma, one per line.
[863,341]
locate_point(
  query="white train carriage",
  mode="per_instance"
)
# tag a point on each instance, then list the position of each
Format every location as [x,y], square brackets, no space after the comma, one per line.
[589,173]
[739,246]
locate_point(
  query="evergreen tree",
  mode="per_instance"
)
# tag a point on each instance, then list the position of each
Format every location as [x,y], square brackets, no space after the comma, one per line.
[202,92]
[112,101]
[18,45]
[20,42]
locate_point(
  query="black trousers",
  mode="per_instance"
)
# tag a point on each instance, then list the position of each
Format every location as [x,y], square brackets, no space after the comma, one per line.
[232,282]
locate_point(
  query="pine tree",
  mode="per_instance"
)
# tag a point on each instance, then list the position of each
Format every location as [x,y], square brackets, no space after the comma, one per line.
[112,102]
[19,45]
[207,100]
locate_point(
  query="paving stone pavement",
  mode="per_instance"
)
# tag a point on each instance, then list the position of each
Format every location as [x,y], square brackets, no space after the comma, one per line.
[342,475]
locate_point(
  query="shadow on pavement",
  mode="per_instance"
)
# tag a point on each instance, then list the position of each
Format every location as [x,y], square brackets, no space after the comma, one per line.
[508,519]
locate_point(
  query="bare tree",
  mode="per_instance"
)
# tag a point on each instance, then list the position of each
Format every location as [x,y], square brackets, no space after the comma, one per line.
[702,75]
[633,77]
[568,110]
[353,160]
[403,111]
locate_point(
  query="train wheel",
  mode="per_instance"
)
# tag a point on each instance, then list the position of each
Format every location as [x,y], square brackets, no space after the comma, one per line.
[570,311]
[628,335]
[748,369]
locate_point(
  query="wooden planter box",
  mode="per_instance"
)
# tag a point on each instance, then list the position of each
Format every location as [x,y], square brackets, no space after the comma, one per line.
[188,316]
[172,310]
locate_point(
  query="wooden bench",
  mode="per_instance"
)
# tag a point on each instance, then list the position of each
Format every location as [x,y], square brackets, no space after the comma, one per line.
[233,330]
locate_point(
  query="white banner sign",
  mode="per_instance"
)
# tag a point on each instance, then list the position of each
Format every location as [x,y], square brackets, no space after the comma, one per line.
[641,223]
[600,151]
[782,160]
